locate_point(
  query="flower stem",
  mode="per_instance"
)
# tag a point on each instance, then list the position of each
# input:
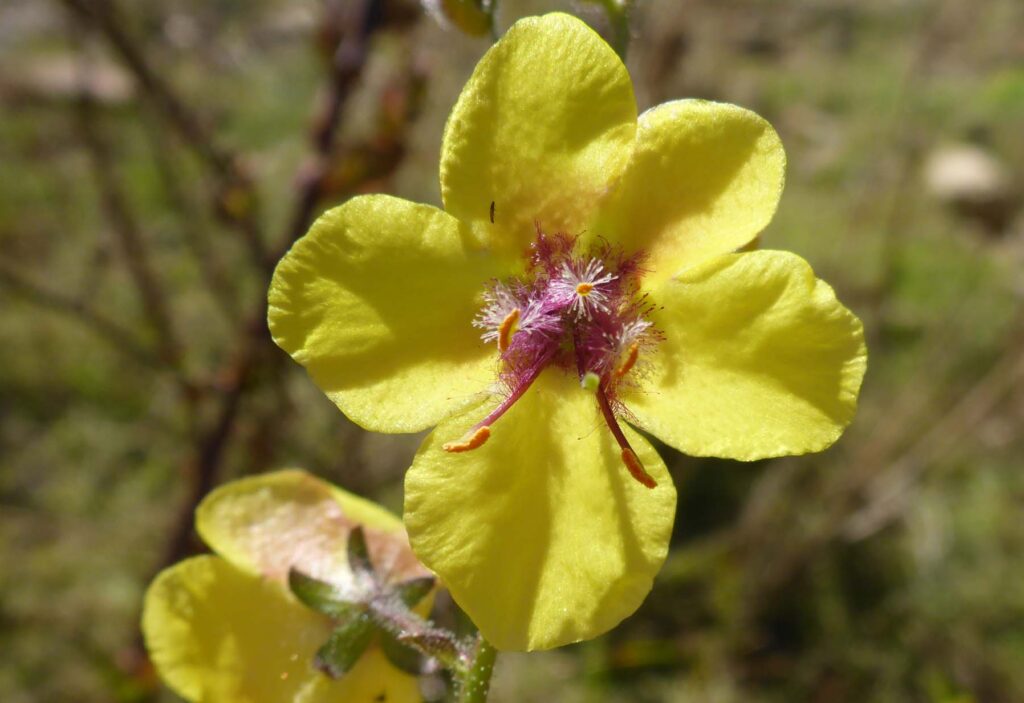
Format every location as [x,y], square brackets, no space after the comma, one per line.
[617,12]
[491,8]
[474,683]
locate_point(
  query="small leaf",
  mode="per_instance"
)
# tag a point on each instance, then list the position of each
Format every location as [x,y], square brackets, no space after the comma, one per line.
[345,645]
[403,656]
[413,591]
[358,553]
[323,597]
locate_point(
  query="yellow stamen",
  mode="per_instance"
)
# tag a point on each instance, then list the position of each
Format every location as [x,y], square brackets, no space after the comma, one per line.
[627,363]
[508,328]
[471,440]
[583,289]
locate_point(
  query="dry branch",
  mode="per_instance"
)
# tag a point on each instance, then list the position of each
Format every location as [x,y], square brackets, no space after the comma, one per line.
[129,235]
[236,199]
[121,339]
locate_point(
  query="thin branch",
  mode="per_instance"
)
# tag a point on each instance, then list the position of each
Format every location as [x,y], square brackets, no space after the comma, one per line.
[203,466]
[193,227]
[358,22]
[255,355]
[75,309]
[104,15]
[128,234]
[252,354]
[236,200]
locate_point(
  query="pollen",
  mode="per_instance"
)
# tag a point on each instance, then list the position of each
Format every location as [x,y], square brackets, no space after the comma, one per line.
[472,440]
[580,311]
[631,356]
[508,328]
[632,462]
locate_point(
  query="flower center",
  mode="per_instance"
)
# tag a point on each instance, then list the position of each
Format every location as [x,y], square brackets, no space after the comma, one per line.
[578,311]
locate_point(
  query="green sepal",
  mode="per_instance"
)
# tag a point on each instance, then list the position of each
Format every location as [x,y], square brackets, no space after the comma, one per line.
[403,656]
[323,597]
[345,645]
[411,592]
[358,553]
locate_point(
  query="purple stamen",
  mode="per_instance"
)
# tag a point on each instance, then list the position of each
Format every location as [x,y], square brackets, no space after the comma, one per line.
[581,313]
[629,457]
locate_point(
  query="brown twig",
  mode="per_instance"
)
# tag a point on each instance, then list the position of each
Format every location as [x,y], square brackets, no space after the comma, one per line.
[195,232]
[236,199]
[337,171]
[254,355]
[202,467]
[75,309]
[128,235]
[360,21]
[104,15]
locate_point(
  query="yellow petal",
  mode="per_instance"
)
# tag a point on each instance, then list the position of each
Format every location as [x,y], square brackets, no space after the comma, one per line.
[268,524]
[377,301]
[219,635]
[759,360]
[704,179]
[543,127]
[541,535]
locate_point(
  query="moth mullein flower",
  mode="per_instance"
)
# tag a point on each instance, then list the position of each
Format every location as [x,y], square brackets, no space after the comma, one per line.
[583,279]
[225,628]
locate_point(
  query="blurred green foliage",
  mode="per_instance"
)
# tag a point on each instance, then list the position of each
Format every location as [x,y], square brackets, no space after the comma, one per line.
[886,569]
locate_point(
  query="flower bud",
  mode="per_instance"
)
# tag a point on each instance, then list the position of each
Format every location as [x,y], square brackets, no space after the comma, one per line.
[474,17]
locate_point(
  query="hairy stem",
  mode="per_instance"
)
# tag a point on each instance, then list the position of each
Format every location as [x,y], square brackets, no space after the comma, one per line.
[474,683]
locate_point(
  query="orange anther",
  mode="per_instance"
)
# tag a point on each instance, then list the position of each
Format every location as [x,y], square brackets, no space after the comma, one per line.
[508,328]
[632,462]
[471,440]
[627,363]
[583,289]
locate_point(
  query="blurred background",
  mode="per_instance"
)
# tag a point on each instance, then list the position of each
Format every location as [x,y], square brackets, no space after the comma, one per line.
[157,158]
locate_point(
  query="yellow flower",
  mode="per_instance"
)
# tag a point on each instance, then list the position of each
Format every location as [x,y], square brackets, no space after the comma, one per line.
[227,629]
[595,251]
